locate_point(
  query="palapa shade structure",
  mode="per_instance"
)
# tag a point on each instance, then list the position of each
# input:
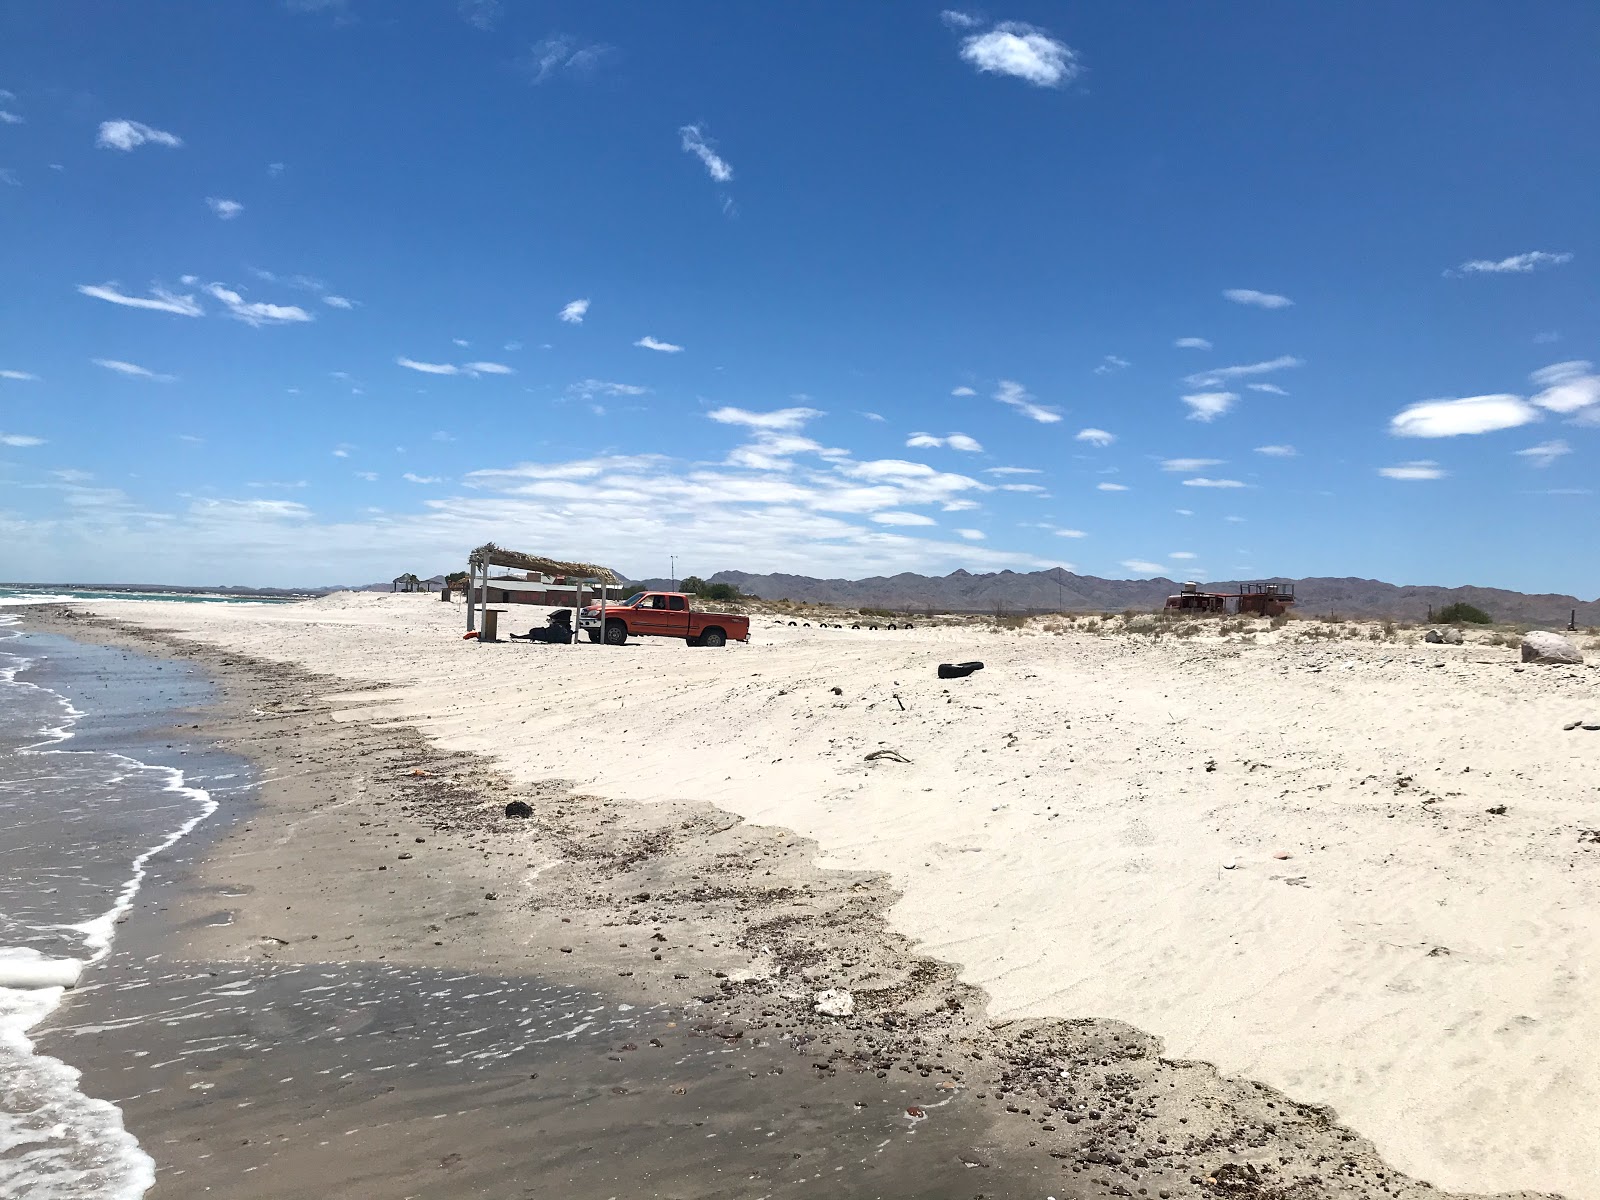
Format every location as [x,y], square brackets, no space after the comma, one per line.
[489,554]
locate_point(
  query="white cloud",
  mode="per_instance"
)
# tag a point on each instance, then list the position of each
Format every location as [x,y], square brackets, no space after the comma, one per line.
[872,416]
[1546,337]
[649,343]
[1111,487]
[1424,468]
[962,391]
[972,535]
[338,302]
[159,300]
[1567,386]
[480,14]
[428,368]
[1189,464]
[955,441]
[1192,343]
[1277,451]
[1032,489]
[959,505]
[1271,389]
[574,311]
[1452,418]
[274,170]
[131,369]
[412,478]
[127,135]
[1244,370]
[369,476]
[1517,264]
[1071,533]
[1257,299]
[902,518]
[1142,567]
[1184,512]
[1095,437]
[587,389]
[1203,482]
[275,483]
[227,210]
[1545,453]
[462,342]
[1024,52]
[256,313]
[694,142]
[19,439]
[782,419]
[561,54]
[1184,554]
[1012,471]
[1208,406]
[488,368]
[1013,393]
[1111,363]
[19,376]
[9,118]
[959,20]
[9,177]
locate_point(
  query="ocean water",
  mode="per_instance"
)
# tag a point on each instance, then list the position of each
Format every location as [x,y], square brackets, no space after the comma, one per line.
[92,790]
[11,595]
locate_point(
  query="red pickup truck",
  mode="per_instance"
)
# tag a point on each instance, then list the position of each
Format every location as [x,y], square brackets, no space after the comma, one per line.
[661,614]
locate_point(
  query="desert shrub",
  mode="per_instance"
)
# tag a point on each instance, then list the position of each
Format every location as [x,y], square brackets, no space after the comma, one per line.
[1279,621]
[1461,613]
[1091,626]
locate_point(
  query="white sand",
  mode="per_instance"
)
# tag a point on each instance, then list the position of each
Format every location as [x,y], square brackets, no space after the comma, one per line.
[1429,970]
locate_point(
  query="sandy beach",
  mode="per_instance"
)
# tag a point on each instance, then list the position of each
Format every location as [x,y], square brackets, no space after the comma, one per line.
[1275,857]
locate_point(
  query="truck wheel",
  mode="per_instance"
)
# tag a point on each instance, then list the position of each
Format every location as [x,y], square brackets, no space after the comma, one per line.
[594,634]
[693,641]
[713,638]
[616,633]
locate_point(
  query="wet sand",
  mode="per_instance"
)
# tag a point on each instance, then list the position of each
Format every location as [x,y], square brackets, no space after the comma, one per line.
[350,986]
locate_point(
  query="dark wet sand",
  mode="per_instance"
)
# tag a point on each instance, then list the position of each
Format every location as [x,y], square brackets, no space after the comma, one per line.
[369,982]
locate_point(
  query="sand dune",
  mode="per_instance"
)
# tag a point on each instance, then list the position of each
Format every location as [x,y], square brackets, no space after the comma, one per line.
[1063,829]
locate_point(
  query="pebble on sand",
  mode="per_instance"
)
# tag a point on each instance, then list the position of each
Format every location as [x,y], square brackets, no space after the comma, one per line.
[835,1002]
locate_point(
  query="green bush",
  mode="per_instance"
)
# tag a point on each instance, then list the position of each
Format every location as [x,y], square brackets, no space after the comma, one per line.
[1462,613]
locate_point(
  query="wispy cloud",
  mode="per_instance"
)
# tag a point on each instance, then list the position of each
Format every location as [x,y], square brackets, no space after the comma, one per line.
[1014,394]
[955,441]
[781,419]
[1422,468]
[338,302]
[1517,264]
[19,376]
[1208,406]
[1012,471]
[368,476]
[1567,387]
[1277,451]
[1270,389]
[903,518]
[972,535]
[10,118]
[480,14]
[1545,453]
[1203,482]
[1189,464]
[1112,487]
[1255,299]
[962,391]
[1219,375]
[1111,363]
[256,313]
[159,300]
[1192,343]
[129,135]
[19,439]
[1471,414]
[473,369]
[1143,567]
[131,369]
[1182,554]
[1026,489]
[1070,533]
[411,478]
[560,55]
[649,343]
[1023,52]
[225,209]
[1095,437]
[587,389]
[695,143]
[960,20]
[9,177]
[574,311]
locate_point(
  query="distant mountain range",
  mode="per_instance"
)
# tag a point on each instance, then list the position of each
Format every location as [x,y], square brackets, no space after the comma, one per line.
[1056,590]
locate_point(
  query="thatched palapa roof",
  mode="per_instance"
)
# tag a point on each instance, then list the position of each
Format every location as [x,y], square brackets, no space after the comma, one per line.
[489,553]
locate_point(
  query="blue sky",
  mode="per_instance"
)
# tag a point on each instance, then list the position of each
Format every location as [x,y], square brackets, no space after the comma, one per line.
[317,292]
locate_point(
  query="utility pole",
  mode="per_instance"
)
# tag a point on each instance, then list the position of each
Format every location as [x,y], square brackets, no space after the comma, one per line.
[673,560]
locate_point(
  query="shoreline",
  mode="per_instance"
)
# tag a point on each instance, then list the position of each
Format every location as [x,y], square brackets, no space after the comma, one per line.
[686,906]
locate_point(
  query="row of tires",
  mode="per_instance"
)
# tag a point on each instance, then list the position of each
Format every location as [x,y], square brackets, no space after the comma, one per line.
[825,625]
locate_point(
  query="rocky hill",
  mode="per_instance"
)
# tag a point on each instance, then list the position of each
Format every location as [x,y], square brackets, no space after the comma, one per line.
[1056,590]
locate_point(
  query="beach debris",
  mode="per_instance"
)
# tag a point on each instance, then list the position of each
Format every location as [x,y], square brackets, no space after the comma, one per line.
[1541,646]
[1211,765]
[1443,637]
[1281,854]
[1499,810]
[837,691]
[1571,725]
[1229,865]
[1591,725]
[41,972]
[1590,837]
[916,1112]
[519,808]
[835,1002]
[958,670]
[1440,952]
[891,755]
[491,895]
[407,854]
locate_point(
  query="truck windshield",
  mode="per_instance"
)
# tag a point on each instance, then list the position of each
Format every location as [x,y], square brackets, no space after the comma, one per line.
[633,599]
